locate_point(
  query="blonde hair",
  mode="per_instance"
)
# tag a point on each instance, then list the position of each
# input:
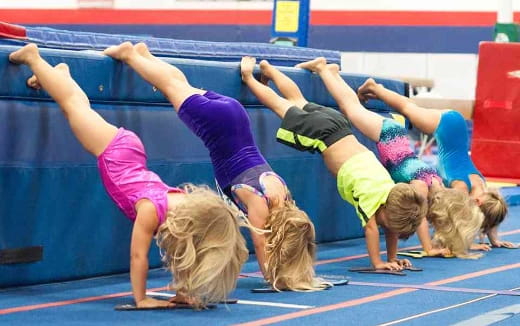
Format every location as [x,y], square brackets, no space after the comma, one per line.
[456,220]
[202,246]
[290,250]
[494,208]
[405,208]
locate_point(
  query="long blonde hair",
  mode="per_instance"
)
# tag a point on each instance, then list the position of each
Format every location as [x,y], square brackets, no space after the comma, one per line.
[290,249]
[202,246]
[494,208]
[456,220]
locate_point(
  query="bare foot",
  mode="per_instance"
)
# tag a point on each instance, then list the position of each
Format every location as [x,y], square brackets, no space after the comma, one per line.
[369,84]
[264,79]
[63,67]
[143,50]
[120,52]
[314,65]
[367,91]
[25,54]
[265,68]
[33,81]
[333,67]
[247,65]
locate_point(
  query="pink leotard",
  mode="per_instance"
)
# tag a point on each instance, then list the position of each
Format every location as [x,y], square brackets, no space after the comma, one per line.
[122,167]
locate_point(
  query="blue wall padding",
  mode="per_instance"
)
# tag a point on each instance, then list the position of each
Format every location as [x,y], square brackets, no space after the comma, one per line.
[363,38]
[50,189]
[215,51]
[222,77]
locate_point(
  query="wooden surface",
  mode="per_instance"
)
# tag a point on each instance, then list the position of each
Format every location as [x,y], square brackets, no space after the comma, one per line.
[463,106]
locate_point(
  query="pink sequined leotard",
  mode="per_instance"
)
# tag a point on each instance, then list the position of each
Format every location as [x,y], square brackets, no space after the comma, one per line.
[126,178]
[398,158]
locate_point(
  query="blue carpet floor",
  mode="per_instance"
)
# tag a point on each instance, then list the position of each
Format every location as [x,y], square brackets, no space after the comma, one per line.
[344,305]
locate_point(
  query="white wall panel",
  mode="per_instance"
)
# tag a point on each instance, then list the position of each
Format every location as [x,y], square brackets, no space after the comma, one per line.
[412,5]
[38,4]
[353,62]
[396,64]
[454,75]
[194,4]
[401,5]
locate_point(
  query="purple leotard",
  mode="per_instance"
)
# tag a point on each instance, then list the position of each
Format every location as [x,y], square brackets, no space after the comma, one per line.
[123,170]
[223,125]
[253,180]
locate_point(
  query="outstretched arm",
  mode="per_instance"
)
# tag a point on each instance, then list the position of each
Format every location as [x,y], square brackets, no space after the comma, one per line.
[142,235]
[423,233]
[372,241]
[257,213]
[495,240]
[391,250]
[424,236]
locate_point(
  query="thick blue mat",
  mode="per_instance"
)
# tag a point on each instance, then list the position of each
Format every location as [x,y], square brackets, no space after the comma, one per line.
[214,51]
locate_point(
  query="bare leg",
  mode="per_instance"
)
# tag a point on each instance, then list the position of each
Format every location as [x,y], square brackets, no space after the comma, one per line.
[426,120]
[143,50]
[265,94]
[285,85]
[167,78]
[92,131]
[369,123]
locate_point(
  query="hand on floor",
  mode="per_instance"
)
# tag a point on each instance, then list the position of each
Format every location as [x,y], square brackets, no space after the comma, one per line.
[393,266]
[504,244]
[481,246]
[402,262]
[153,303]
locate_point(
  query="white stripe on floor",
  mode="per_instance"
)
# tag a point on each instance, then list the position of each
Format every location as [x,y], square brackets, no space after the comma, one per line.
[249,302]
[491,317]
[441,309]
[274,304]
